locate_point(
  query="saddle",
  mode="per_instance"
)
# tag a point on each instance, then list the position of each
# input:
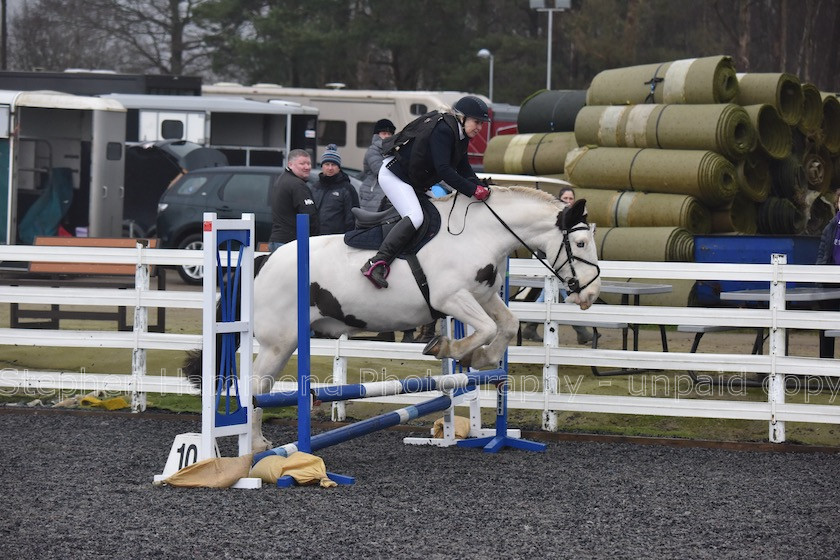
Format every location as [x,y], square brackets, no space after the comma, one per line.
[372,227]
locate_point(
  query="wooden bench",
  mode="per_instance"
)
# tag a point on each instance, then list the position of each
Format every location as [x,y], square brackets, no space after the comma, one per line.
[83,275]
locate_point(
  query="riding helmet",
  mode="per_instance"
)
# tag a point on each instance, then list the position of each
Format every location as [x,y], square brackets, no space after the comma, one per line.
[472,106]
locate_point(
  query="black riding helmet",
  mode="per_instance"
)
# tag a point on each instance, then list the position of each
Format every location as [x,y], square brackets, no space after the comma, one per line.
[472,106]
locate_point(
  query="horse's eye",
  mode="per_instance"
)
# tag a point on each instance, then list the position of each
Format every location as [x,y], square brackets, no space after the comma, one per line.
[580,244]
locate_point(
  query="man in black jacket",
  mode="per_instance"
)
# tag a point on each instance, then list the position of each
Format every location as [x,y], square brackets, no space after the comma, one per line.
[290,196]
[334,195]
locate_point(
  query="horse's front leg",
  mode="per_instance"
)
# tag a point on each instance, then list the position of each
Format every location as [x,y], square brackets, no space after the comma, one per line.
[464,307]
[506,327]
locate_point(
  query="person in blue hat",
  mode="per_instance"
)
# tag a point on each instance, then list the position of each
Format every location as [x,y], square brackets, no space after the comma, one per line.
[334,195]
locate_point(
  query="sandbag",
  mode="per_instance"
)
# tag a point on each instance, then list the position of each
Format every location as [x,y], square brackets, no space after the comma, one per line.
[608,208]
[781,90]
[694,80]
[529,154]
[550,111]
[722,128]
[702,174]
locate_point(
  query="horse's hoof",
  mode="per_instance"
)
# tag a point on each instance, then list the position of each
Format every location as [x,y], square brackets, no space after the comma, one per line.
[433,346]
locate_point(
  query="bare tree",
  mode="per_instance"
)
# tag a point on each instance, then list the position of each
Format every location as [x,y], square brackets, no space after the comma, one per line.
[161,33]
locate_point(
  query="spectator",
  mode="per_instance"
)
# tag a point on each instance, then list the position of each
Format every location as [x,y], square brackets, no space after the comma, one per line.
[829,253]
[584,334]
[370,194]
[290,196]
[334,196]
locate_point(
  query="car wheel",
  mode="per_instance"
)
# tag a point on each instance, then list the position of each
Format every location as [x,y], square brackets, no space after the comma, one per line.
[192,274]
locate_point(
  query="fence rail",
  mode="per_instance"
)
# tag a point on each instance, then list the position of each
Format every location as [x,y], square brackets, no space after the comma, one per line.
[551,400]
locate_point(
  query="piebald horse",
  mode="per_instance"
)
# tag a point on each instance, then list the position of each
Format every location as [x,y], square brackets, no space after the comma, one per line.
[462,264]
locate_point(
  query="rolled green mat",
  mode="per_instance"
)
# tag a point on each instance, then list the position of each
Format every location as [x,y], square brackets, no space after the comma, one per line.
[774,136]
[636,209]
[705,175]
[722,128]
[651,244]
[812,110]
[739,215]
[818,167]
[787,176]
[754,177]
[693,81]
[529,154]
[550,111]
[781,90]
[830,129]
[780,216]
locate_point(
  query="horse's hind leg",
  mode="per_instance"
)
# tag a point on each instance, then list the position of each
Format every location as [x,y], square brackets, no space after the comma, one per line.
[269,363]
[464,307]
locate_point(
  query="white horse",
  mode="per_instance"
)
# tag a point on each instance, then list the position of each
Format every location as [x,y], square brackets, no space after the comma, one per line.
[462,264]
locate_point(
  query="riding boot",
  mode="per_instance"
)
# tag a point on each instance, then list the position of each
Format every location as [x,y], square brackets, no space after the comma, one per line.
[427,333]
[377,268]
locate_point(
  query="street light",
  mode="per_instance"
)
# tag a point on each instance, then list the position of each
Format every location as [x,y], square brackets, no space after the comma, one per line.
[484,53]
[550,6]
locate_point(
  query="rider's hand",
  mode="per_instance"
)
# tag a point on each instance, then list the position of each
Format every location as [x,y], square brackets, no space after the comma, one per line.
[481,192]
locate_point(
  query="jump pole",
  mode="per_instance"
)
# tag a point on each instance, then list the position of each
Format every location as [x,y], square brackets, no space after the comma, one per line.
[226,408]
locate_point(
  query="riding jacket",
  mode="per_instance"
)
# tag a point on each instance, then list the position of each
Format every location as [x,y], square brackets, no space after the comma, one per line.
[444,158]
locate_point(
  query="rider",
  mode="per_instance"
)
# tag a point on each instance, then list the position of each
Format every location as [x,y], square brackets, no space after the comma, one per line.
[444,159]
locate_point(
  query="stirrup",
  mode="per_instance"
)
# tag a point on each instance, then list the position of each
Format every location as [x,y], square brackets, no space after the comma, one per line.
[376,279]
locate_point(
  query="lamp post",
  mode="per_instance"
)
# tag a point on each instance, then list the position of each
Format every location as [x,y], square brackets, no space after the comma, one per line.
[484,53]
[550,6]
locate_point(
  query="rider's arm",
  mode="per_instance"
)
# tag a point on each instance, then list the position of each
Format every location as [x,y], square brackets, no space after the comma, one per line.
[441,144]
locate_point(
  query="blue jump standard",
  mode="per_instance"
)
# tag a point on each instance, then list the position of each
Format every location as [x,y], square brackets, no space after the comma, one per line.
[382,388]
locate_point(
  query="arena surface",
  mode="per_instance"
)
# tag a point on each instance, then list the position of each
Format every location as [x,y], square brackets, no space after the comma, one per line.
[79,486]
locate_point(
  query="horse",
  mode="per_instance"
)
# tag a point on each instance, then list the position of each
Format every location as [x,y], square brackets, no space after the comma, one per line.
[462,264]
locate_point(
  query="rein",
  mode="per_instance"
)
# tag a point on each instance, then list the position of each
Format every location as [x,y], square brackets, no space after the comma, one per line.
[573,284]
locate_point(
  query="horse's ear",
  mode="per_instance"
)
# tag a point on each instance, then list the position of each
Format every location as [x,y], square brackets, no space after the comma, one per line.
[571,215]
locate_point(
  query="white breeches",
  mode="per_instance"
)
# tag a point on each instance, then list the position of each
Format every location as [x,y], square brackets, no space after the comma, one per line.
[401,194]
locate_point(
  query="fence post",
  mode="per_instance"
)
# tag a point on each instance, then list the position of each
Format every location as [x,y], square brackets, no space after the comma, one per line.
[550,340]
[141,324]
[776,385]
[339,377]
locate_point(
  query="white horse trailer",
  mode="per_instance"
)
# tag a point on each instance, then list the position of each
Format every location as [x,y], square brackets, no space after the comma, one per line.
[346,117]
[247,132]
[52,141]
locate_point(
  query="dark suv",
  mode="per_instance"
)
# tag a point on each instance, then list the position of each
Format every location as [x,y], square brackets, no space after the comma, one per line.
[227,191]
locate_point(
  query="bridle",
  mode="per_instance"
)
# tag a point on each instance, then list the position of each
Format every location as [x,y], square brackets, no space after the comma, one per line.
[572,282]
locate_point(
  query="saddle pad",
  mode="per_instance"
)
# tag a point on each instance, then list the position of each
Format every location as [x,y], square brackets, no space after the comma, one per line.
[371,238]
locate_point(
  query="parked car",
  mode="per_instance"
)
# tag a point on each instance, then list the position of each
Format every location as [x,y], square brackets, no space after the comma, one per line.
[229,192]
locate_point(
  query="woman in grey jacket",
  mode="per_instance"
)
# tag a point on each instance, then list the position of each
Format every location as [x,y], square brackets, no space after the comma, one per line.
[370,194]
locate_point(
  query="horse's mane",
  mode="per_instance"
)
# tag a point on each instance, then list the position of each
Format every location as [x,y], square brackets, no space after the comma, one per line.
[528,192]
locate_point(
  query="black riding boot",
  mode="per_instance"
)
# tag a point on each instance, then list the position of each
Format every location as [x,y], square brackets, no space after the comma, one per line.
[378,267]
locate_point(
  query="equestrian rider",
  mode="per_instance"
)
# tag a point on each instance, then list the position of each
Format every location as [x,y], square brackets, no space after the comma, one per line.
[444,158]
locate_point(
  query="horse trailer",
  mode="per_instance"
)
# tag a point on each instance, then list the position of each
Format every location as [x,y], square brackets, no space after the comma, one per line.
[61,162]
[346,117]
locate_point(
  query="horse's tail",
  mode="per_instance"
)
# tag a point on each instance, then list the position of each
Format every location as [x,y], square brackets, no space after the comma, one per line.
[192,366]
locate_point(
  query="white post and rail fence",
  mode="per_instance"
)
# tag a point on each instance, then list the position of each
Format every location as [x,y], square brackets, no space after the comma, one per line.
[774,366]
